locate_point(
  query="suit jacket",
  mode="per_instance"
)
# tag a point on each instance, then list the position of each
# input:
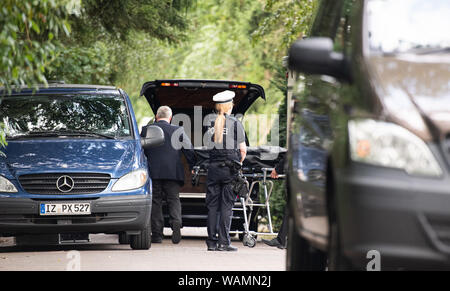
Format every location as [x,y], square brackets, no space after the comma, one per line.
[164,161]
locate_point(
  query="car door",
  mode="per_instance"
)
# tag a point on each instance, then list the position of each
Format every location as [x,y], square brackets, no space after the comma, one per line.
[319,102]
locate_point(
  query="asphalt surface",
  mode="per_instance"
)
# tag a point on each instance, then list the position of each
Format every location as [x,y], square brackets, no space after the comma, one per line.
[103,253]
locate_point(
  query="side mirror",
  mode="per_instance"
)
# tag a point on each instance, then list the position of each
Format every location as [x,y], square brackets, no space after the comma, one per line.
[153,136]
[316,56]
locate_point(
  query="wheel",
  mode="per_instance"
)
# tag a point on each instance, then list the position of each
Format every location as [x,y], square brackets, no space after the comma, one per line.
[242,235]
[142,241]
[249,241]
[300,255]
[124,239]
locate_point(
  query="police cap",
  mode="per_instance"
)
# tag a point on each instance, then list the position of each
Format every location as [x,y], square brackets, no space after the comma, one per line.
[224,97]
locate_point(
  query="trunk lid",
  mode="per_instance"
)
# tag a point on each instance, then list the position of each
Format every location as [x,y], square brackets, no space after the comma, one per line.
[182,95]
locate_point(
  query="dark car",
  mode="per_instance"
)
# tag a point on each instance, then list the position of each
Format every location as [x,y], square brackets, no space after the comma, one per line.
[191,103]
[379,70]
[74,165]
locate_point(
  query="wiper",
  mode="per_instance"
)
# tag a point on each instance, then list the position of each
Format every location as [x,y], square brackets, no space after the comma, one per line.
[33,134]
[83,132]
[58,133]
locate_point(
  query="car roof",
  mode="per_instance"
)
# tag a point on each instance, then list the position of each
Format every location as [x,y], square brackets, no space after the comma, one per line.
[56,88]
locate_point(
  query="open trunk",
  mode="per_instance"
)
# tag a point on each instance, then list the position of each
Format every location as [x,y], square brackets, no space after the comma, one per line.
[189,96]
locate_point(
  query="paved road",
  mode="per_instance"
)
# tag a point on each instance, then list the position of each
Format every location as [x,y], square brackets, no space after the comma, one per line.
[104,253]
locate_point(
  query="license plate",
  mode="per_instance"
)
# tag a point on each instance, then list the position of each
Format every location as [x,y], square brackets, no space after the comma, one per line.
[65,208]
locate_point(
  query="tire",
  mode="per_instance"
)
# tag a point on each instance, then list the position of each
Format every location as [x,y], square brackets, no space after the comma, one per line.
[300,255]
[142,241]
[249,241]
[242,235]
[124,239]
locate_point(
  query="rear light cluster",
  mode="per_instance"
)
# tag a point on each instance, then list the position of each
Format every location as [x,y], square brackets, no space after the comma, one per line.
[235,86]
[187,84]
[169,84]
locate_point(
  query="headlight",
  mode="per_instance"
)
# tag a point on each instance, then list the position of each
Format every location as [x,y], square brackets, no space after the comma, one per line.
[389,145]
[131,181]
[7,186]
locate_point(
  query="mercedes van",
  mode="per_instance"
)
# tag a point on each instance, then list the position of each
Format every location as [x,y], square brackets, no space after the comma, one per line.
[73,165]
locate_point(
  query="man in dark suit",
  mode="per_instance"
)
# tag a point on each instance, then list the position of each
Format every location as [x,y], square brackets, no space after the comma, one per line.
[167,173]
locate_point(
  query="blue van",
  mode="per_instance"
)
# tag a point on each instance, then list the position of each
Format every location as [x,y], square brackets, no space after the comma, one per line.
[74,165]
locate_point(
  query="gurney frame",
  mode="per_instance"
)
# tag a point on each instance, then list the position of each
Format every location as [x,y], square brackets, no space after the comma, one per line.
[257,179]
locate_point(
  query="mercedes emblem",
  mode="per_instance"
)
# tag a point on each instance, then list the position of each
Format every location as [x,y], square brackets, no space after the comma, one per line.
[65,184]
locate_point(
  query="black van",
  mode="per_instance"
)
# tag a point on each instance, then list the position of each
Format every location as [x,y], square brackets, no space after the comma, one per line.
[369,159]
[191,102]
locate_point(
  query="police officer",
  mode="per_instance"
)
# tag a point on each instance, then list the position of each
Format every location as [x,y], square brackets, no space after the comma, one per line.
[226,143]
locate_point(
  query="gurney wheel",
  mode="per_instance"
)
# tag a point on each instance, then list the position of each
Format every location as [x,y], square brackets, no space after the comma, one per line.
[249,241]
[241,236]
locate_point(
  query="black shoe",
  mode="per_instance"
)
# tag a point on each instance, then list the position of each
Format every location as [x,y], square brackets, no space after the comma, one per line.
[176,233]
[226,248]
[212,248]
[156,239]
[211,245]
[273,242]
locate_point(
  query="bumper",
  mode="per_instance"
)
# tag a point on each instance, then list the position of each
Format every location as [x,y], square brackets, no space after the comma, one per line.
[406,219]
[112,214]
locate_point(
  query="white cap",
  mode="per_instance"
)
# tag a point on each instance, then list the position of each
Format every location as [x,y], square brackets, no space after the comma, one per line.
[224,97]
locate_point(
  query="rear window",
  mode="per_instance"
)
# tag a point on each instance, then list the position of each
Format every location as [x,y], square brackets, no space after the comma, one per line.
[98,114]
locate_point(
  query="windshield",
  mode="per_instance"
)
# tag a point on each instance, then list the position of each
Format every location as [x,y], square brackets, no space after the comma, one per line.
[99,115]
[409,26]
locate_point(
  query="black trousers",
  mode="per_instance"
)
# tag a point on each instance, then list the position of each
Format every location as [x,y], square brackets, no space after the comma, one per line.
[168,190]
[282,234]
[219,201]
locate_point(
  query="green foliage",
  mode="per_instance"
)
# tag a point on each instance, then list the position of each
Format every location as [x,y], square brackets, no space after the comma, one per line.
[110,38]
[28,39]
[160,19]
[84,65]
[218,45]
[284,22]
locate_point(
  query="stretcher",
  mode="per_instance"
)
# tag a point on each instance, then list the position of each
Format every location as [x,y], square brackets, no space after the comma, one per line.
[256,170]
